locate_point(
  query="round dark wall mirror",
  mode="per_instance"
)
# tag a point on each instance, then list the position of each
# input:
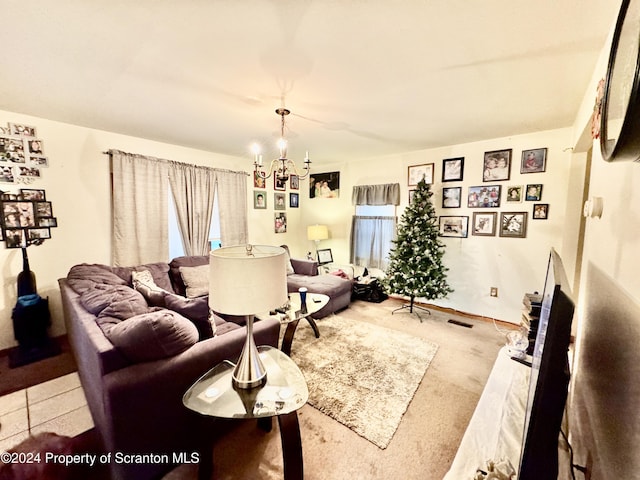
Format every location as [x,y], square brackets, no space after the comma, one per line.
[620,120]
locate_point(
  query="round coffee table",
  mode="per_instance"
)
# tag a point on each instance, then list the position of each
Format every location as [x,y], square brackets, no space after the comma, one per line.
[295,312]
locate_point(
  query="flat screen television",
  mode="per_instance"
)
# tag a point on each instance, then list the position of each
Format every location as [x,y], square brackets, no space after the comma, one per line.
[549,381]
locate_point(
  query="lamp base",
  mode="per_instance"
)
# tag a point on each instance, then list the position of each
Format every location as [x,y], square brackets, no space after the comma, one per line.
[250,371]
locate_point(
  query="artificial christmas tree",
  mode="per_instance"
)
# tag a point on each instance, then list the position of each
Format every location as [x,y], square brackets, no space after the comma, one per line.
[415,263]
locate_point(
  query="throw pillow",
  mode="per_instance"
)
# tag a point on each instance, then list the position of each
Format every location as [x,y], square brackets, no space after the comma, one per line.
[143,282]
[153,335]
[196,310]
[196,279]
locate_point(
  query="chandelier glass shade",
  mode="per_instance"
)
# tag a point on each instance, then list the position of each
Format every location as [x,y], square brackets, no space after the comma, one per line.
[281,167]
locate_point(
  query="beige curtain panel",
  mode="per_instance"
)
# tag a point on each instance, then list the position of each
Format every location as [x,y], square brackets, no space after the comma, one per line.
[140,192]
[139,212]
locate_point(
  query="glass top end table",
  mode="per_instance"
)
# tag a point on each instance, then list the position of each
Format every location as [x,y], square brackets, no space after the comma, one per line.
[284,392]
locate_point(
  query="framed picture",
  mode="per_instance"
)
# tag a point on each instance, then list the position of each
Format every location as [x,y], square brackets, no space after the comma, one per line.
[513,224]
[12,149]
[324,185]
[514,193]
[14,237]
[259,199]
[35,147]
[28,172]
[47,222]
[278,201]
[37,161]
[294,182]
[280,222]
[454,227]
[420,172]
[484,224]
[258,181]
[411,195]
[534,161]
[6,174]
[325,256]
[38,233]
[22,130]
[451,197]
[18,214]
[540,211]
[497,165]
[533,192]
[452,169]
[32,194]
[484,197]
[43,209]
[294,200]
[279,184]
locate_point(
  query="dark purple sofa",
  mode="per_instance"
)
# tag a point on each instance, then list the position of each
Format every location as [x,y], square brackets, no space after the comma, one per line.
[134,390]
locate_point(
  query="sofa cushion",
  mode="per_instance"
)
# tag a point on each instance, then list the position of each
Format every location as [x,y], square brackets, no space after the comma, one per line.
[174,270]
[100,296]
[196,310]
[153,335]
[143,282]
[126,303]
[85,276]
[196,280]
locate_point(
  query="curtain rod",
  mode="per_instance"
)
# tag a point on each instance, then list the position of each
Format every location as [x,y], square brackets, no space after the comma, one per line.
[110,152]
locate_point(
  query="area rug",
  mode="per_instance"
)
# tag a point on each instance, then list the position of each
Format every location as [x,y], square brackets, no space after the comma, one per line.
[362,375]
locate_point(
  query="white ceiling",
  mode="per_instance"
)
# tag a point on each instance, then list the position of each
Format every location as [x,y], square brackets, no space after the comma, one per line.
[361,77]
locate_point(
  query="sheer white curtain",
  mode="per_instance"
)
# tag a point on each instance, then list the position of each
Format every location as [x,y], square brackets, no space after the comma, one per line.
[371,240]
[139,209]
[232,197]
[193,191]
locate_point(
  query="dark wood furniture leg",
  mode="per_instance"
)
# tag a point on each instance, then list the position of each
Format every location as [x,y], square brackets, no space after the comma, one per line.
[314,326]
[291,446]
[288,337]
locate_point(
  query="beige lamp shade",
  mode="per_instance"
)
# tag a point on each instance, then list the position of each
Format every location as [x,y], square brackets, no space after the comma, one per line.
[247,279]
[317,232]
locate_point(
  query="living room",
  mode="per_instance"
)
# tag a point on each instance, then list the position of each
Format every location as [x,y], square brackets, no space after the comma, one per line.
[597,252]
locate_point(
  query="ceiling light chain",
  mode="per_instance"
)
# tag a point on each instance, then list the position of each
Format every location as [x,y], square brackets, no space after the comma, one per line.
[282,166]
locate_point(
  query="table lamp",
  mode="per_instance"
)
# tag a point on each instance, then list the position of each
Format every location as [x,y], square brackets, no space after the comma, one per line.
[245,280]
[317,233]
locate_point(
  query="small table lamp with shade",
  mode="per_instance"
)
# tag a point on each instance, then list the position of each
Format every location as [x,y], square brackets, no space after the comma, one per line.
[317,233]
[245,280]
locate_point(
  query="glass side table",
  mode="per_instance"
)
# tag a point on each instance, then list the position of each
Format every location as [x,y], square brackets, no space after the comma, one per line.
[283,394]
[295,312]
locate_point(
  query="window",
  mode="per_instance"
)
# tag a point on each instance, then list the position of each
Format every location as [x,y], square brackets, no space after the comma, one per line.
[176,248]
[372,231]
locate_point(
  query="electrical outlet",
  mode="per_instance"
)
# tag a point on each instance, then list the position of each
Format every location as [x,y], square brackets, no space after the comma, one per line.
[494,291]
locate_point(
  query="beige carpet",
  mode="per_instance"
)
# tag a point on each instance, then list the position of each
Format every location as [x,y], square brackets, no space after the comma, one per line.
[362,375]
[429,433]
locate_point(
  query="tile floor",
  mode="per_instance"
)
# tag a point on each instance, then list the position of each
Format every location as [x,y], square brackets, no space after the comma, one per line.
[58,406]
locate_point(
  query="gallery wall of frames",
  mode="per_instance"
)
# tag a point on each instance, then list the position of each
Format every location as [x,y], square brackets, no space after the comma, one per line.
[518,203]
[26,215]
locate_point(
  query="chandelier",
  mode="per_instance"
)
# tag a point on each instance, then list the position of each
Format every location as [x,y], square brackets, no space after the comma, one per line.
[282,167]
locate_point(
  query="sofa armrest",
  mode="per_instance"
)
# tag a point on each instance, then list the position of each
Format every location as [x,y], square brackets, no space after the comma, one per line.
[304,267]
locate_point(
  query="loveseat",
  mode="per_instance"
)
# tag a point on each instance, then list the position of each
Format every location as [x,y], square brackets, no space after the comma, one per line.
[139,349]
